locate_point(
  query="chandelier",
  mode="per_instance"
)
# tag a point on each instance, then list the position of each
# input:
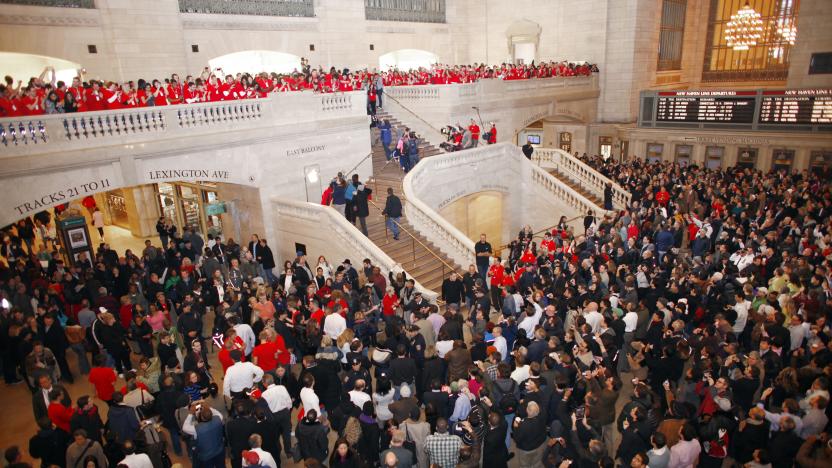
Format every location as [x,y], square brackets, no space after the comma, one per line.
[787,30]
[744,29]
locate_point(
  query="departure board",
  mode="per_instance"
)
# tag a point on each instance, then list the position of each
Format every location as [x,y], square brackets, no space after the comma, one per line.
[706,106]
[799,106]
[788,110]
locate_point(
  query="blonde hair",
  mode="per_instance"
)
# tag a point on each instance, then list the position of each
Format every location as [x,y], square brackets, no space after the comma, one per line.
[430,351]
[345,337]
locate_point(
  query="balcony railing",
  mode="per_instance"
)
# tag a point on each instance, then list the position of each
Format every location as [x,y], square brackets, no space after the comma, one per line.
[416,11]
[53,3]
[298,8]
[41,134]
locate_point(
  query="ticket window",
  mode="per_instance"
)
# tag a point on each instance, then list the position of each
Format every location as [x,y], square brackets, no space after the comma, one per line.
[655,152]
[820,161]
[747,157]
[565,141]
[605,146]
[782,159]
[683,154]
[713,157]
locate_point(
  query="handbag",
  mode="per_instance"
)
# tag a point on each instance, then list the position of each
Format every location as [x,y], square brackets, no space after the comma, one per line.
[409,444]
[147,409]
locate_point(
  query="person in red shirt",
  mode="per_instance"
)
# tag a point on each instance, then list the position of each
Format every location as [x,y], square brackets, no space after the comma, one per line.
[59,414]
[103,378]
[175,90]
[389,302]
[232,342]
[475,133]
[31,103]
[265,354]
[662,197]
[492,134]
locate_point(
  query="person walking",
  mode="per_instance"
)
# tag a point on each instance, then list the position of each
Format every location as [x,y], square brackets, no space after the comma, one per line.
[360,205]
[392,212]
[98,222]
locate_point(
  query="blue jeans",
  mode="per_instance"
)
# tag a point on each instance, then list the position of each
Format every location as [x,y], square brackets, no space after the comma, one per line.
[387,151]
[393,226]
[83,362]
[509,422]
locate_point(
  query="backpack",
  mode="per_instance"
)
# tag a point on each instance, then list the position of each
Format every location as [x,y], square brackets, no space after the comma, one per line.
[508,402]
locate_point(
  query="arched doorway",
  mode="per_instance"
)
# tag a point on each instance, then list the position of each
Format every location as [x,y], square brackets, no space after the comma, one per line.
[24,66]
[523,37]
[478,213]
[256,60]
[407,59]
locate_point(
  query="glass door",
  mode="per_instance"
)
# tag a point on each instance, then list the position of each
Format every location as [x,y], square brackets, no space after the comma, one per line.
[713,157]
[747,157]
[683,154]
[605,145]
[565,141]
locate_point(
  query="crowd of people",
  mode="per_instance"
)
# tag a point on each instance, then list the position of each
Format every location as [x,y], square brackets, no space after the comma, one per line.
[46,95]
[689,329]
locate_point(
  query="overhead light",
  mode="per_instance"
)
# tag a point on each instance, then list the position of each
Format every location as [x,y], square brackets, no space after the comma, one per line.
[745,29]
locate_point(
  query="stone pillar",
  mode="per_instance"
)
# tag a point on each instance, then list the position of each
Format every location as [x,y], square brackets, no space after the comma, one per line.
[142,210]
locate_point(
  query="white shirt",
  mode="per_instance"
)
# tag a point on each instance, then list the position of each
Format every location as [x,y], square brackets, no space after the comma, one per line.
[247,335]
[265,458]
[98,219]
[501,345]
[630,321]
[358,398]
[277,397]
[443,347]
[138,460]
[189,426]
[334,325]
[240,376]
[741,308]
[310,400]
[684,453]
[133,398]
[521,374]
[593,318]
[528,323]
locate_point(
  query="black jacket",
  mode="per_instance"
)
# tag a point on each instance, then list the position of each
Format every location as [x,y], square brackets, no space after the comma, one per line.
[393,207]
[50,446]
[237,432]
[530,434]
[494,452]
[403,370]
[265,257]
[360,204]
[439,401]
[312,439]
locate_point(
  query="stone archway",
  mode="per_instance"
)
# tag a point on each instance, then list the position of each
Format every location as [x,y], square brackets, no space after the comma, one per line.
[247,61]
[523,38]
[407,59]
[23,66]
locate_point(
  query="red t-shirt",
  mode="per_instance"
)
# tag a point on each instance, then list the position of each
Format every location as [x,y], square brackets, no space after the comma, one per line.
[60,416]
[265,355]
[283,358]
[317,316]
[125,315]
[103,378]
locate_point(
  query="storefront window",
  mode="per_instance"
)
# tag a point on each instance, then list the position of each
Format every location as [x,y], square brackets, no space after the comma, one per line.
[117,207]
[747,157]
[186,205]
[768,59]
[683,154]
[605,145]
[782,159]
[713,156]
[565,141]
[655,151]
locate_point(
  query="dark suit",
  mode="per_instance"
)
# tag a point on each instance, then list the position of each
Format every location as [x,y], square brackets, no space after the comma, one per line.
[238,431]
[440,403]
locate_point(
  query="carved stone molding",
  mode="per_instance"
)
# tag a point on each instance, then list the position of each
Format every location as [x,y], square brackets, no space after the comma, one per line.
[244,25]
[47,20]
[391,29]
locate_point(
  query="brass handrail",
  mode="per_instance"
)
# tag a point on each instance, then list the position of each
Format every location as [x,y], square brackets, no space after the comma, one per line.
[386,96]
[415,239]
[346,173]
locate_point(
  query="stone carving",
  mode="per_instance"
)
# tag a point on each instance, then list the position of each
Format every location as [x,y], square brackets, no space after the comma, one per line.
[49,20]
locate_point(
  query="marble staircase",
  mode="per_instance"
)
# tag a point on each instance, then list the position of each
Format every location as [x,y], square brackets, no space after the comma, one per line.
[416,255]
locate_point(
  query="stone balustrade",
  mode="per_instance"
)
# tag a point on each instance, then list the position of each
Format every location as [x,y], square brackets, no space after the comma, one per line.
[582,174]
[563,192]
[38,134]
[342,237]
[510,104]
